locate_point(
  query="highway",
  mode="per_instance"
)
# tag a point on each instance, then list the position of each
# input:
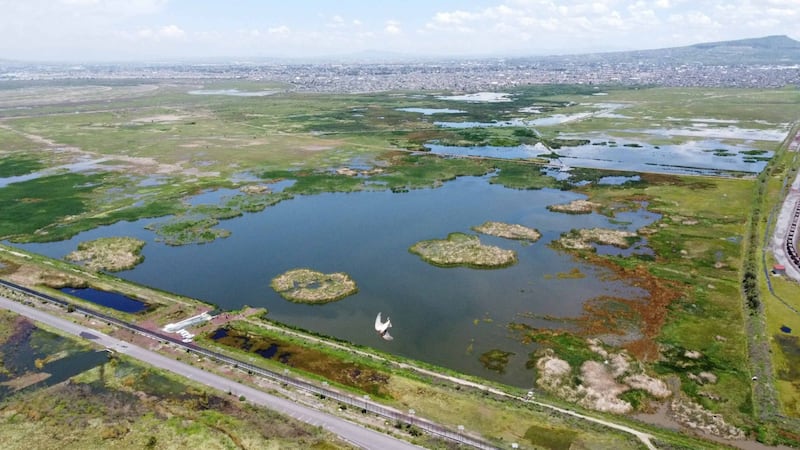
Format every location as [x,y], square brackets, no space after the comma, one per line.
[350,432]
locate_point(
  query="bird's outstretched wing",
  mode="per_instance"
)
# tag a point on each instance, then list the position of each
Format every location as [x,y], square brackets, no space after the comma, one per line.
[383,327]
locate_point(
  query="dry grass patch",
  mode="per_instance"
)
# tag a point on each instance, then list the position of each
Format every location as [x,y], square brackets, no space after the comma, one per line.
[584,238]
[509,231]
[112,254]
[575,207]
[461,249]
[310,286]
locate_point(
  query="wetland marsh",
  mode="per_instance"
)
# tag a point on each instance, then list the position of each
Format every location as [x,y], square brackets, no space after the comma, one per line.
[367,235]
[228,191]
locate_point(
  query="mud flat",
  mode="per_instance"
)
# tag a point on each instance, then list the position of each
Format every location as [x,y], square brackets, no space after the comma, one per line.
[509,231]
[575,207]
[113,254]
[309,286]
[584,238]
[461,249]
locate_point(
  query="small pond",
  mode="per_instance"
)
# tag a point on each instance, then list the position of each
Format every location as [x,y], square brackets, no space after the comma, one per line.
[431,111]
[108,299]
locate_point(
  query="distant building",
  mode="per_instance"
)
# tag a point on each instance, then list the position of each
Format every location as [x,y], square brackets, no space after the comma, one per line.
[779,269]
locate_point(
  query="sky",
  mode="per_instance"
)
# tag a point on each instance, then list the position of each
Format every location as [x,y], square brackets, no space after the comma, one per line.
[152,30]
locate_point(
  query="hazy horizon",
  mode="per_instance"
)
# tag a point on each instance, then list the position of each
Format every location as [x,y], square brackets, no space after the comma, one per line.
[163,30]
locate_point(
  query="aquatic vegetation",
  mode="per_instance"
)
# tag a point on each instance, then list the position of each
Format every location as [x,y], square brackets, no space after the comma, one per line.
[302,357]
[496,360]
[573,274]
[182,230]
[112,254]
[461,249]
[15,166]
[30,206]
[310,286]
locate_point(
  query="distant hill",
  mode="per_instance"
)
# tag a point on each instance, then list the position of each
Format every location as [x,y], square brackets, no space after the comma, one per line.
[778,42]
[755,51]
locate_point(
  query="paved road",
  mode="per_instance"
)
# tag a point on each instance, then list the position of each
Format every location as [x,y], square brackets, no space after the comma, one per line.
[350,432]
[784,221]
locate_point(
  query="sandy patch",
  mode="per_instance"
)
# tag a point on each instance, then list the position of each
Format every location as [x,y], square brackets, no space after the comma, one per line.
[652,386]
[317,148]
[23,381]
[694,416]
[160,118]
[601,383]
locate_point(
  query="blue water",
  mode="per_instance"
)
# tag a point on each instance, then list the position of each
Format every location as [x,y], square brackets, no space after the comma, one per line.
[108,299]
[367,235]
[690,158]
[431,111]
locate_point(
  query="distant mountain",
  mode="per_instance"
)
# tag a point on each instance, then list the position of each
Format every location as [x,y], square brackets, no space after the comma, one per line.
[769,50]
[777,42]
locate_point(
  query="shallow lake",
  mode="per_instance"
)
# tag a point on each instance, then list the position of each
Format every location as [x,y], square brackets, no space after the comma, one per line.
[431,111]
[445,316]
[703,156]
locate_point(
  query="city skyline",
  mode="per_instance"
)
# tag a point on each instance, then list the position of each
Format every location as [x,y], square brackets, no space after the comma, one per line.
[136,30]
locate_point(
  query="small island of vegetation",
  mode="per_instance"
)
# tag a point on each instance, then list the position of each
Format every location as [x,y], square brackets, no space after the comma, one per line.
[509,231]
[575,207]
[461,249]
[584,238]
[113,254]
[310,286]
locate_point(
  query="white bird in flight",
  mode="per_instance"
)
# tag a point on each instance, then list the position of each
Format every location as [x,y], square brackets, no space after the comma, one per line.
[383,327]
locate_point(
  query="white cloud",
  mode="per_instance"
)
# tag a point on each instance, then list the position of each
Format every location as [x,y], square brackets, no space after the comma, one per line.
[392,27]
[166,32]
[612,24]
[111,7]
[107,28]
[455,17]
[283,29]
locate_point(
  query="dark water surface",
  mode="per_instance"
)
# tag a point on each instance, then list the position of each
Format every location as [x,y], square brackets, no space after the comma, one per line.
[442,316]
[107,299]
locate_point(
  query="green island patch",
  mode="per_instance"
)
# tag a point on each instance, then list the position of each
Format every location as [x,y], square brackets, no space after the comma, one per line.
[113,254]
[460,249]
[310,286]
[509,231]
[183,230]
